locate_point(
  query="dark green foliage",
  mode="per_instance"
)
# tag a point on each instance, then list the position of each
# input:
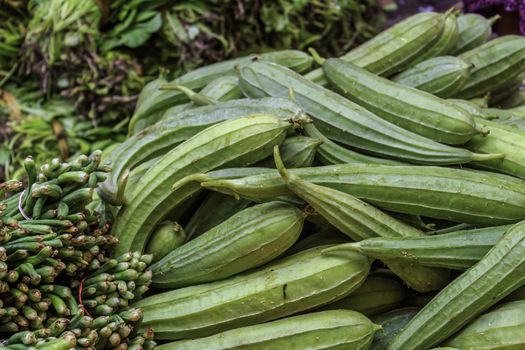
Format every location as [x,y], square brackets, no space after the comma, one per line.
[91,58]
[208,31]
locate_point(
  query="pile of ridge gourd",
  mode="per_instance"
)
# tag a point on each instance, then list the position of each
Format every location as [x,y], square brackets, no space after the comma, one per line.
[374,202]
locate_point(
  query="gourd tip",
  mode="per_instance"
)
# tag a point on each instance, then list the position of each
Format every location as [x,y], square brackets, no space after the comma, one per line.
[488,156]
[482,131]
[348,250]
[121,187]
[199,177]
[315,55]
[494,19]
[279,164]
[451,11]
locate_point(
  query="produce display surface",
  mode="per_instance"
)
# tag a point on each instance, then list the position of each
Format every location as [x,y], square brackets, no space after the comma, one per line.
[284,200]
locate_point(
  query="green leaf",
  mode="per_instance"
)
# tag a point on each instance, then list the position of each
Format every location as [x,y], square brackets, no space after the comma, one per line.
[138,32]
[173,29]
[4,153]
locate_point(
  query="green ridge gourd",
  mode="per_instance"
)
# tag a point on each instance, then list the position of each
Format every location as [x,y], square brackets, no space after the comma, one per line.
[377,295]
[495,64]
[442,76]
[518,294]
[495,276]
[407,107]
[290,285]
[324,236]
[391,323]
[159,100]
[329,152]
[334,329]
[464,196]
[147,91]
[474,30]
[248,239]
[238,142]
[502,328]
[297,152]
[503,139]
[346,122]
[472,108]
[168,235]
[512,88]
[359,221]
[446,41]
[482,101]
[222,89]
[457,250]
[214,209]
[219,90]
[395,48]
[160,138]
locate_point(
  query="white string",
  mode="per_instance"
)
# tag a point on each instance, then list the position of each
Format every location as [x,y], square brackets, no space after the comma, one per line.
[20,209]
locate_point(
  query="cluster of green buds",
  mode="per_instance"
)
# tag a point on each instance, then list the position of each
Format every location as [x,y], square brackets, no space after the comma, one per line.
[105,320]
[60,190]
[114,286]
[47,233]
[58,285]
[117,331]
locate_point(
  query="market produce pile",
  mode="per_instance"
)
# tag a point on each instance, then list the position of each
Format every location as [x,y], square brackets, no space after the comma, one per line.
[374,202]
[71,70]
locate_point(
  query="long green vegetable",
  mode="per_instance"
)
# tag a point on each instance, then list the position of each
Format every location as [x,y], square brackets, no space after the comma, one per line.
[346,122]
[456,250]
[495,276]
[153,198]
[359,221]
[463,196]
